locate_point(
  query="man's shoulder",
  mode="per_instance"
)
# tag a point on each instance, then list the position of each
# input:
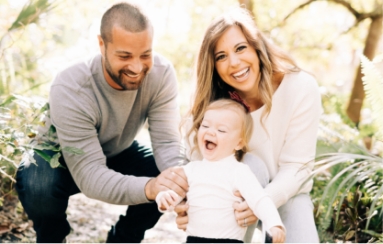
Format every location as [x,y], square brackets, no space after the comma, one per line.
[160,61]
[77,73]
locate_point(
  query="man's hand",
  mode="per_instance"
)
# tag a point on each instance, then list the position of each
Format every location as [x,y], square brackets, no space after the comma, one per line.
[182,218]
[243,214]
[173,178]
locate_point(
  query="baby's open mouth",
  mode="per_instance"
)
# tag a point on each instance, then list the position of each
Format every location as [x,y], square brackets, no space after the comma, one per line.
[210,145]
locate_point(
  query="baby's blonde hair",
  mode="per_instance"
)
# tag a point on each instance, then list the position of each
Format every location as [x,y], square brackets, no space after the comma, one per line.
[246,125]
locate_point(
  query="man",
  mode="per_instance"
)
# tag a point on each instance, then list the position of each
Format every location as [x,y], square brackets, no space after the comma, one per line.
[98,107]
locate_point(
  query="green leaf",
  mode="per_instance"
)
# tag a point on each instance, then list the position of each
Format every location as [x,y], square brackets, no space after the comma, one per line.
[8,100]
[44,108]
[373,86]
[42,154]
[373,233]
[73,150]
[52,129]
[54,162]
[49,147]
[349,234]
[31,13]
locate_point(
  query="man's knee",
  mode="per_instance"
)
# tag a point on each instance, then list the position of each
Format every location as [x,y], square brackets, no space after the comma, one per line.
[35,187]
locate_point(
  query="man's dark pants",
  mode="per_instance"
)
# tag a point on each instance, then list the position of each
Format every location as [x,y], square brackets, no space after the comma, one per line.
[44,193]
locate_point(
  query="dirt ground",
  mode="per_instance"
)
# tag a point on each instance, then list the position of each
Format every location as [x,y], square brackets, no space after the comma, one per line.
[91,220]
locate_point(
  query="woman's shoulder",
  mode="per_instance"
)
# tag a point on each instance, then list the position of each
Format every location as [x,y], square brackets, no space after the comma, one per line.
[301,80]
[300,77]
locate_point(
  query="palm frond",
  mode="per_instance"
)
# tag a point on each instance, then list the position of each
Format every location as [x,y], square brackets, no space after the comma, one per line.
[31,13]
[373,86]
[360,168]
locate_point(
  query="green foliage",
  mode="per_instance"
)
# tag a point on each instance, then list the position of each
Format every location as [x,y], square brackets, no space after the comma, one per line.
[348,197]
[348,183]
[22,46]
[373,85]
[19,118]
[31,13]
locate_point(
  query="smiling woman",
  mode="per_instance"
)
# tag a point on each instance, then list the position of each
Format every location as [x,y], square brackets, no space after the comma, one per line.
[235,56]
[236,62]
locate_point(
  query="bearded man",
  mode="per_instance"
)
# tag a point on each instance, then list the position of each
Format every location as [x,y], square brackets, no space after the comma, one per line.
[98,107]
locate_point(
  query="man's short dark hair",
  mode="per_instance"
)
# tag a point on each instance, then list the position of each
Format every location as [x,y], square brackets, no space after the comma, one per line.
[128,16]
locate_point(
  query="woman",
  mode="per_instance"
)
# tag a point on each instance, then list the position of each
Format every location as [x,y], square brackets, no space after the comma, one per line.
[285,105]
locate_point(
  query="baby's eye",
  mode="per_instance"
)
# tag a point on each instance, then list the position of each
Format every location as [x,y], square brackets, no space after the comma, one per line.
[222,131]
[204,126]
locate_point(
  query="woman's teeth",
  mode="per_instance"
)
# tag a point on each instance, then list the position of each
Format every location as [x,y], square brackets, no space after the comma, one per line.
[241,73]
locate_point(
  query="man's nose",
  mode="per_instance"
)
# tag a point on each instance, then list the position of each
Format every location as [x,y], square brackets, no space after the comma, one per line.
[136,66]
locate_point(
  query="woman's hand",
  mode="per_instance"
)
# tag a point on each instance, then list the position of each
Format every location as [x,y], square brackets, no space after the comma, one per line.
[182,218]
[278,234]
[243,214]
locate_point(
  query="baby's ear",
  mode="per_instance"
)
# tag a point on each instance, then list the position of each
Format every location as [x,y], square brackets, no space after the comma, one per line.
[240,145]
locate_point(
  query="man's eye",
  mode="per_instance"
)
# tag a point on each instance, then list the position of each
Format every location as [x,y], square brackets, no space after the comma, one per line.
[146,56]
[124,57]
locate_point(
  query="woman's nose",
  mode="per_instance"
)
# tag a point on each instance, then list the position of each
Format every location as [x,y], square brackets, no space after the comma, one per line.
[234,60]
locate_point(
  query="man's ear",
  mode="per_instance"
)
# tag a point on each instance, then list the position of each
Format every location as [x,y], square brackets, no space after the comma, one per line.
[101,44]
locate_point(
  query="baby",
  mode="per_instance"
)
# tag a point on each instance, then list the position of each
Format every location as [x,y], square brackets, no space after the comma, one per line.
[222,140]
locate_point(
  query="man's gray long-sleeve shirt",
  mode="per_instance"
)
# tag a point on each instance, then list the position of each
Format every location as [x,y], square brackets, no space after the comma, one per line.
[92,116]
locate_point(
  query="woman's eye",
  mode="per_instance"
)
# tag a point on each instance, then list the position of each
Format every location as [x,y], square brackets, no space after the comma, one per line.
[240,48]
[219,57]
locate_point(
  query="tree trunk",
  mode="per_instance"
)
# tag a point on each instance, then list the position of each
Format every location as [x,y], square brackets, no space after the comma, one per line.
[357,95]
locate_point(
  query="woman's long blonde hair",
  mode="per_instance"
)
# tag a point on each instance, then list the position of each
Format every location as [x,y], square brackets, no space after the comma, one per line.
[210,87]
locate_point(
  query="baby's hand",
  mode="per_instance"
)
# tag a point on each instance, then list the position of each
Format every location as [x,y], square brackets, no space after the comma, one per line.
[278,234]
[167,200]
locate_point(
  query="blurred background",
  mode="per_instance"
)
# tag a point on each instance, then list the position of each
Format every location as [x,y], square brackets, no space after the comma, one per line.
[328,38]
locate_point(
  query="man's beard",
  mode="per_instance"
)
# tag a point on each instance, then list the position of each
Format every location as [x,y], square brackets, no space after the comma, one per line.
[121,79]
